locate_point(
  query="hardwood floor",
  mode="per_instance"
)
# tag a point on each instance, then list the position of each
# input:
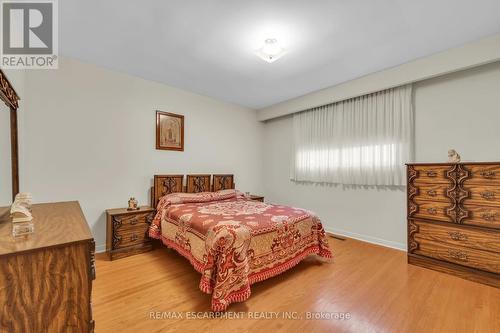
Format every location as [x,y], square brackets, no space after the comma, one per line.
[374,284]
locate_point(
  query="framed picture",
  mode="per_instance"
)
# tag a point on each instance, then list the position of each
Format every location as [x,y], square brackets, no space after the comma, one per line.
[169,131]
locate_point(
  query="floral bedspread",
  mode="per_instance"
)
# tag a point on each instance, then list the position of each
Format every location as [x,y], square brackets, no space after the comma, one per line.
[234,242]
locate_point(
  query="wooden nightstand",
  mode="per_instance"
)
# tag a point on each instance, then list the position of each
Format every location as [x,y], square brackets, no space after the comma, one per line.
[256,197]
[127,231]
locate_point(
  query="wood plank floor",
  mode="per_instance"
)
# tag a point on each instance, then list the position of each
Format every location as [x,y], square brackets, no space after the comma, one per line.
[374,284]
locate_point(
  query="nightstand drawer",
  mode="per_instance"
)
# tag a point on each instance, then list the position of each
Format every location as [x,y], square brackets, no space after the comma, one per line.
[130,237]
[132,220]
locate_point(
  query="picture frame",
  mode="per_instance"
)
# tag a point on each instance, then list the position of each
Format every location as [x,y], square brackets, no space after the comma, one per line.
[169,131]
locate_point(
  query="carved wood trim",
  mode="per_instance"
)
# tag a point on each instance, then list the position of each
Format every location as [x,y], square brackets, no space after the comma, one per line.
[412,190]
[412,230]
[117,223]
[92,260]
[222,182]
[166,184]
[92,276]
[457,193]
[462,194]
[451,192]
[198,183]
[14,152]
[7,92]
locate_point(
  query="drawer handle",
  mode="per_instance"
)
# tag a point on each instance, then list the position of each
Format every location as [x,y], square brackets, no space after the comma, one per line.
[133,237]
[432,211]
[134,221]
[488,174]
[488,216]
[458,236]
[459,255]
[431,173]
[432,193]
[488,195]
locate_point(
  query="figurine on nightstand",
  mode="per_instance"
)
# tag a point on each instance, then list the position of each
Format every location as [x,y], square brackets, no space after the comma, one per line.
[133,204]
[453,156]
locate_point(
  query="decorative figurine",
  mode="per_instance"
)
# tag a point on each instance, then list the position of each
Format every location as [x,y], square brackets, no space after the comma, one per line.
[453,156]
[20,212]
[133,204]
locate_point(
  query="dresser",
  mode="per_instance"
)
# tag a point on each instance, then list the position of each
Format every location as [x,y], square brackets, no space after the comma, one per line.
[127,231]
[46,277]
[454,219]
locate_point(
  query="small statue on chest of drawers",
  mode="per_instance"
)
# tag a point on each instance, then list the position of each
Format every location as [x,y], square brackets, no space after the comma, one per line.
[133,204]
[453,156]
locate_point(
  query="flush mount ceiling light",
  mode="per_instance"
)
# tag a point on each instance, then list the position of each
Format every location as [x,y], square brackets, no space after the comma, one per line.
[271,50]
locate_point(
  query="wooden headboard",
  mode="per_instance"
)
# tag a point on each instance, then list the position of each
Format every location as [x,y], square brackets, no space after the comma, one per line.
[222,182]
[166,184]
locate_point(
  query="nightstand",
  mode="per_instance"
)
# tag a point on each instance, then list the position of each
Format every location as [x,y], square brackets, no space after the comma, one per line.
[127,231]
[256,197]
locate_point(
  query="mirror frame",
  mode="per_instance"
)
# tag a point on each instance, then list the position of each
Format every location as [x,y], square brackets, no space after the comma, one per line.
[9,96]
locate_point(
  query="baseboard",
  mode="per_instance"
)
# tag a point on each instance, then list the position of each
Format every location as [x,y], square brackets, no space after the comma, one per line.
[368,239]
[100,248]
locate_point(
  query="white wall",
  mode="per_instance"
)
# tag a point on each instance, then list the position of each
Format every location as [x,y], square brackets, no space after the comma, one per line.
[88,134]
[460,110]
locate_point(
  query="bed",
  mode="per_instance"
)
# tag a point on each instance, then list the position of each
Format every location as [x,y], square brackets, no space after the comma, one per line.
[231,240]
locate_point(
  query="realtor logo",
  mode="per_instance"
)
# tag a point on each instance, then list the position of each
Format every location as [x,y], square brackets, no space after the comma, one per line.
[29,34]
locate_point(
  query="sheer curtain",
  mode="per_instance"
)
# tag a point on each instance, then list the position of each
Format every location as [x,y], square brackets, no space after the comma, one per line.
[360,141]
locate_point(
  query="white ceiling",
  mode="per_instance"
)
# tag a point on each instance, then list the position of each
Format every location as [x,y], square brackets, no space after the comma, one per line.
[207,46]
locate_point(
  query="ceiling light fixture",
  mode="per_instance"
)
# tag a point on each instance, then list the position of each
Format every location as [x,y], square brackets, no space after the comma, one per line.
[271,50]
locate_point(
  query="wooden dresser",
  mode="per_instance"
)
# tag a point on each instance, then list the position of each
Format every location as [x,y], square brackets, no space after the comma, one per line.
[127,231]
[454,219]
[46,277]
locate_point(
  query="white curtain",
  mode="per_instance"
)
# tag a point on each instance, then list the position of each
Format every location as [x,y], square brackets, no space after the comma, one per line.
[360,141]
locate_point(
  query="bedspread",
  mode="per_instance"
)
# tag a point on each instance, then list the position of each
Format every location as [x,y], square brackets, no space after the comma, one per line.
[234,242]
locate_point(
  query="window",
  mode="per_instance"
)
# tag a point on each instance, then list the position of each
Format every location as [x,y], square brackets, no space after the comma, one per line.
[362,141]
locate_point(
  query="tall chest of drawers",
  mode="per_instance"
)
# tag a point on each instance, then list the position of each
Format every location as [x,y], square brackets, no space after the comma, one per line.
[454,219]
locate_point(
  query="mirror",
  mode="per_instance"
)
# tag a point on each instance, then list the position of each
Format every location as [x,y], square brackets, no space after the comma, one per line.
[5,160]
[9,161]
